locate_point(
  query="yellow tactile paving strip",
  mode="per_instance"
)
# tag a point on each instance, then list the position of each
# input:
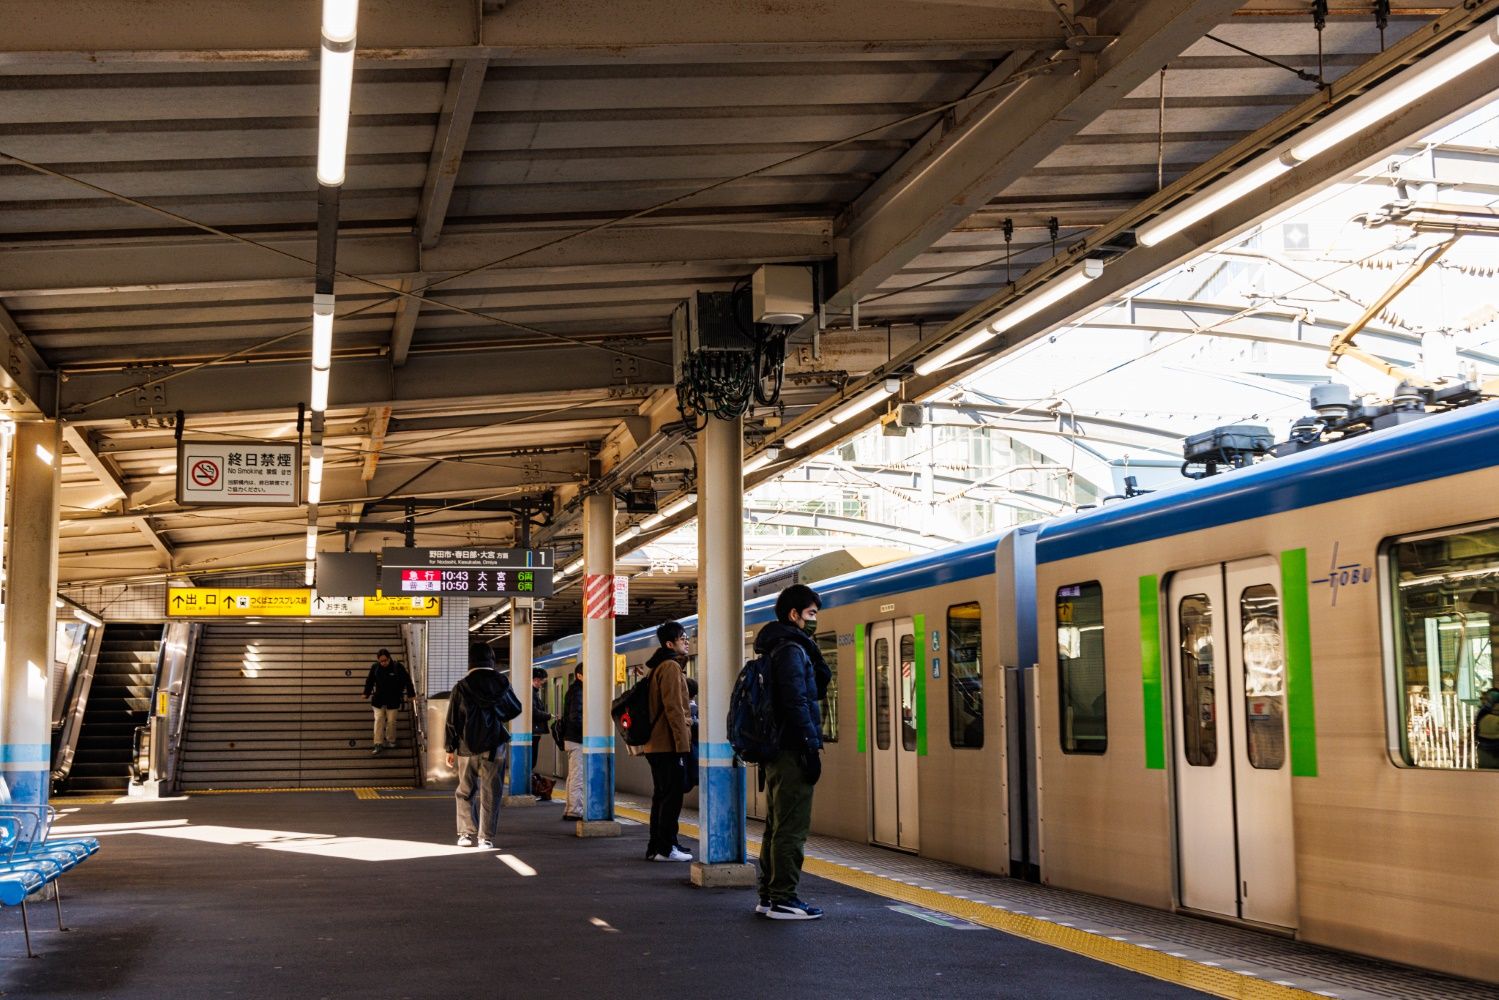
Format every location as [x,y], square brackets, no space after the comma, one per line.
[1134,957]
[1143,959]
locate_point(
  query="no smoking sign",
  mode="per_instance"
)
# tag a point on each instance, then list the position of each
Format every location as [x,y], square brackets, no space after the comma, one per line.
[206,474]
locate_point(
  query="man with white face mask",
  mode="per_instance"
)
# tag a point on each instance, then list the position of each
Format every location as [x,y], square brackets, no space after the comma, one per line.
[798,681]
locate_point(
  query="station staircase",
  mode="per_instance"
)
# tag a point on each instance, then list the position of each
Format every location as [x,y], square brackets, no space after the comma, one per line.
[281,706]
[119,700]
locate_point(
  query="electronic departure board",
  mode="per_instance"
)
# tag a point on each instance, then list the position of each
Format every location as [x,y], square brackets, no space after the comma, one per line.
[460,571]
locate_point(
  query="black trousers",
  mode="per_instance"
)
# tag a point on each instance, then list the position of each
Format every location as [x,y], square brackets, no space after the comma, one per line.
[668,778]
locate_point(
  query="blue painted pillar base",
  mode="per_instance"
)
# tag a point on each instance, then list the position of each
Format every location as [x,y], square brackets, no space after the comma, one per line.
[520,764]
[721,836]
[26,770]
[598,774]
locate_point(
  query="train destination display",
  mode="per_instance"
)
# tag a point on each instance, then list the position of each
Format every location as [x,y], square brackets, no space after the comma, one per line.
[474,572]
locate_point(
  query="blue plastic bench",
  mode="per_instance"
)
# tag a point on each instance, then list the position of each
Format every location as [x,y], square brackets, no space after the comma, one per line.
[30,860]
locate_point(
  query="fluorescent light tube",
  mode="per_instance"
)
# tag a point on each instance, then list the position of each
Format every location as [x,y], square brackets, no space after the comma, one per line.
[947,356]
[1210,200]
[1023,309]
[864,401]
[311,543]
[627,534]
[88,619]
[573,567]
[1053,292]
[1440,67]
[806,434]
[319,390]
[340,20]
[322,330]
[308,575]
[759,462]
[680,504]
[333,115]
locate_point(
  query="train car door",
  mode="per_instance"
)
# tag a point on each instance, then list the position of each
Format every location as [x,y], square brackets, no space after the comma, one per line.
[892,718]
[1234,830]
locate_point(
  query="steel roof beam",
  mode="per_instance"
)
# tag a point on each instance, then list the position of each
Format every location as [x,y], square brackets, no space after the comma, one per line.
[929,194]
[103,469]
[194,262]
[94,33]
[366,382]
[465,81]
[24,372]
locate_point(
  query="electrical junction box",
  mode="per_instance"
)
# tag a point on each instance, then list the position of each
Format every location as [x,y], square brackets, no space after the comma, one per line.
[781,294]
[910,415]
[707,325]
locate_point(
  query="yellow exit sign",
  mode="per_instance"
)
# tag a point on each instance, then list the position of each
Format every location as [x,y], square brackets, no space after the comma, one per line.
[291,602]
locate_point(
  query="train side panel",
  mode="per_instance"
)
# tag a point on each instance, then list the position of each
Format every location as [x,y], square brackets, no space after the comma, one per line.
[1384,854]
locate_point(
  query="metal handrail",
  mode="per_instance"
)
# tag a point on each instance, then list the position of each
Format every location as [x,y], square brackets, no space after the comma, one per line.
[78,694]
[140,754]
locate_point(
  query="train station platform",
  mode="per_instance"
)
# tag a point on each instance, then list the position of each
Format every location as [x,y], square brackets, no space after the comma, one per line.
[362,893]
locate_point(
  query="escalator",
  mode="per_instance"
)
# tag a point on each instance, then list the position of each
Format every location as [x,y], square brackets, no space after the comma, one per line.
[119,700]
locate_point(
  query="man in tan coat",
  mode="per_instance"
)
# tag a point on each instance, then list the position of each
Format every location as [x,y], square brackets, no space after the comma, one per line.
[670,742]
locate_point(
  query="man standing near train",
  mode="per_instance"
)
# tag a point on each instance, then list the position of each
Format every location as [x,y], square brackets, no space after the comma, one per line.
[798,680]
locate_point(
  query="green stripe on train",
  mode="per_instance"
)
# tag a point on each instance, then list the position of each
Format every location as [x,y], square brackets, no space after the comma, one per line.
[1150,672]
[863,709]
[919,624]
[1301,707]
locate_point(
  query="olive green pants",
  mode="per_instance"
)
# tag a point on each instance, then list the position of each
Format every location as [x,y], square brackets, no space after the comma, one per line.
[788,817]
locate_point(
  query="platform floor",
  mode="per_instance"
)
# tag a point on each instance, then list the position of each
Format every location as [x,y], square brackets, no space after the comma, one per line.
[332,895]
[363,894]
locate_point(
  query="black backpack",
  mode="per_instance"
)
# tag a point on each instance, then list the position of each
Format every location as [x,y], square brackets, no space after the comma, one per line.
[484,723]
[632,713]
[754,730]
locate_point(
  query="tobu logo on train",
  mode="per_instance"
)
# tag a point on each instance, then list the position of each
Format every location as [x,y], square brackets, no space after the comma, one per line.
[1340,575]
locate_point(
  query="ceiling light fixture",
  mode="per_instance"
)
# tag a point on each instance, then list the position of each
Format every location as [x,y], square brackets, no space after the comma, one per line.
[340,20]
[1442,66]
[806,434]
[1021,310]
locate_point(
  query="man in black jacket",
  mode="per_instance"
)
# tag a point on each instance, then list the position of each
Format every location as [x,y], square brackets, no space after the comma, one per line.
[799,680]
[478,745]
[387,686]
[572,742]
[541,720]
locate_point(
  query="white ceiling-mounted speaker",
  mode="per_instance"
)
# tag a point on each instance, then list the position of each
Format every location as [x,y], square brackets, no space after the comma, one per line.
[781,294]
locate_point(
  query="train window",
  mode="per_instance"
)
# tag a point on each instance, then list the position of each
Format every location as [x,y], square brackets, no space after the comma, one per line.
[1080,668]
[907,692]
[1199,688]
[965,676]
[827,643]
[1263,655]
[882,694]
[1446,604]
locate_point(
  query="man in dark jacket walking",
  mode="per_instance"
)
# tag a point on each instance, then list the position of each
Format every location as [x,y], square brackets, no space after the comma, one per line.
[572,741]
[798,679]
[478,745]
[669,743]
[387,686]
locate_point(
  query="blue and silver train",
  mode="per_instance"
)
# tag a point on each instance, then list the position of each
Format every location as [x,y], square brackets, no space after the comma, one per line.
[1251,697]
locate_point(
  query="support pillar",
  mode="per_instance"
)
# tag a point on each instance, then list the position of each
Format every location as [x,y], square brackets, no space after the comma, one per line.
[720,639]
[598,675]
[522,737]
[30,610]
